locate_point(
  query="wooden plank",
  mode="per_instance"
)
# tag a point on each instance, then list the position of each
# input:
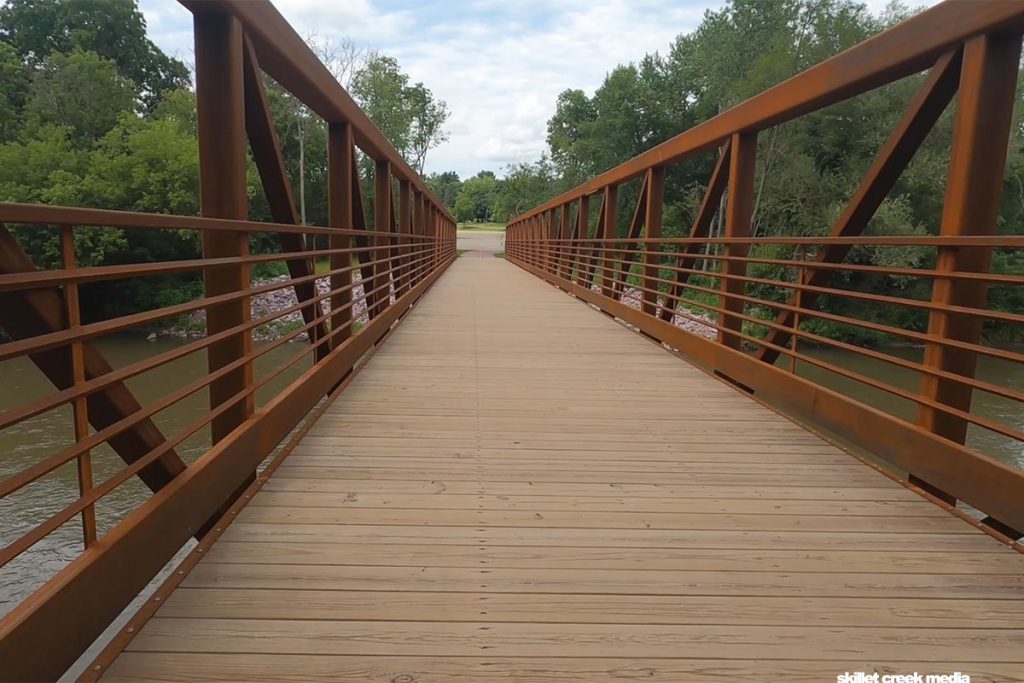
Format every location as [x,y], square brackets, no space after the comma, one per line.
[993,561]
[619,582]
[466,473]
[634,492]
[616,538]
[567,640]
[586,519]
[243,603]
[530,464]
[594,504]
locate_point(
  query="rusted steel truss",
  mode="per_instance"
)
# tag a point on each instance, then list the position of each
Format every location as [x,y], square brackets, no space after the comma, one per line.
[971,51]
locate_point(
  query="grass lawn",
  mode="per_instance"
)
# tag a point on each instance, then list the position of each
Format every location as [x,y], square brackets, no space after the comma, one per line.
[483,227]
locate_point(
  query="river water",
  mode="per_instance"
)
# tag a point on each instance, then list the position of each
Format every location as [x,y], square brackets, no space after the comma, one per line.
[26,443]
[23,444]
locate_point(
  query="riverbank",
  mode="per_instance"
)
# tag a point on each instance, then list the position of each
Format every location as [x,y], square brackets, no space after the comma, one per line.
[262,305]
[193,325]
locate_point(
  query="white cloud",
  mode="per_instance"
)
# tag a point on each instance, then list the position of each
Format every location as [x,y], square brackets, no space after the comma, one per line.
[499,67]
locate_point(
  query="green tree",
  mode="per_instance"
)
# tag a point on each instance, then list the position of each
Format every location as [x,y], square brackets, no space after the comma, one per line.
[113,29]
[476,201]
[524,186]
[465,210]
[428,119]
[408,115]
[568,135]
[14,84]
[82,92]
[446,186]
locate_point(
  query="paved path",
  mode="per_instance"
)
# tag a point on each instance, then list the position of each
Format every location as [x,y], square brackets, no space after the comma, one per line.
[482,243]
[516,488]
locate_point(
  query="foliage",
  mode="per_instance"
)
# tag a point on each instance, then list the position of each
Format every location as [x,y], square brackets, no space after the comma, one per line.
[477,199]
[81,92]
[407,115]
[113,29]
[446,186]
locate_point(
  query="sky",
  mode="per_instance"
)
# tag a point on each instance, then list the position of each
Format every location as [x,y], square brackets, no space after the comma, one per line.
[499,65]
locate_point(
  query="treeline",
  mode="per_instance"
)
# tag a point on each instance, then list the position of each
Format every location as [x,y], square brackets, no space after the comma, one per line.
[93,114]
[806,169]
[485,198]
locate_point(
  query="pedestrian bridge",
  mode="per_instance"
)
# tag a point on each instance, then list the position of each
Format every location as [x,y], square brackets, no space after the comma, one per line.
[602,450]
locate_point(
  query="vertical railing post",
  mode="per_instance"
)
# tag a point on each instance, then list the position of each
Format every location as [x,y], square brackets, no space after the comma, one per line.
[609,231]
[79,407]
[738,223]
[582,234]
[222,194]
[404,230]
[340,154]
[975,177]
[564,262]
[539,239]
[435,236]
[534,249]
[553,232]
[556,239]
[417,235]
[652,247]
[381,227]
[545,240]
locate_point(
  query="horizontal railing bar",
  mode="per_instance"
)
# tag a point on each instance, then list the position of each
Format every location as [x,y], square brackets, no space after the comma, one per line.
[810,264]
[925,369]
[97,492]
[33,473]
[99,383]
[93,495]
[980,421]
[863,296]
[921,337]
[91,330]
[37,279]
[48,214]
[64,337]
[1000,241]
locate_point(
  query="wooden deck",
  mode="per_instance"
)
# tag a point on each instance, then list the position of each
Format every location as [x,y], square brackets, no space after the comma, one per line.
[517,488]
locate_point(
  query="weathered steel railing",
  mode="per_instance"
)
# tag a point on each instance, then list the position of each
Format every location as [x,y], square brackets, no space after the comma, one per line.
[759,299]
[374,276]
